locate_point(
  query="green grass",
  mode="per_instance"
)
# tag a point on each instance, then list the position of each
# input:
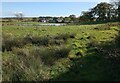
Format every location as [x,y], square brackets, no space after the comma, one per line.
[57,53]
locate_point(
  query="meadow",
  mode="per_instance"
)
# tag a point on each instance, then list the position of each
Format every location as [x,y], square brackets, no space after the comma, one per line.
[59,53]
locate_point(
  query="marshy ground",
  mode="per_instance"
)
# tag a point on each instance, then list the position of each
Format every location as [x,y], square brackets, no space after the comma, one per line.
[55,53]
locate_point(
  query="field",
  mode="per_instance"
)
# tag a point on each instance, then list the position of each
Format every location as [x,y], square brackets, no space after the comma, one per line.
[55,53]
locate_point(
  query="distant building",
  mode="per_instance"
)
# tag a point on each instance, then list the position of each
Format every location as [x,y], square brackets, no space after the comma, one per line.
[44,20]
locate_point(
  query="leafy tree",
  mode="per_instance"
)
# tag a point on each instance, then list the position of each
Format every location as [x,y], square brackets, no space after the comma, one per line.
[116,4]
[19,15]
[67,20]
[102,11]
[87,16]
[35,19]
[73,18]
[55,19]
[60,19]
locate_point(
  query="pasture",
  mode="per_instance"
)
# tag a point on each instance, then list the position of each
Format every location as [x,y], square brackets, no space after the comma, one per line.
[55,53]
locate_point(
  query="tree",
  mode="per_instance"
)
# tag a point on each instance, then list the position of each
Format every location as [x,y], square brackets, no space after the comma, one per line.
[66,20]
[19,15]
[34,19]
[87,16]
[102,11]
[116,4]
[60,19]
[73,18]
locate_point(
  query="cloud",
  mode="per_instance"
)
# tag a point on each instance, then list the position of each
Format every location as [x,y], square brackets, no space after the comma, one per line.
[20,12]
[17,12]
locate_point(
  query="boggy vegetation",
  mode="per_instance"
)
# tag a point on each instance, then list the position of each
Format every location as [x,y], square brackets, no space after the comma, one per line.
[83,53]
[30,54]
[101,63]
[106,26]
[9,41]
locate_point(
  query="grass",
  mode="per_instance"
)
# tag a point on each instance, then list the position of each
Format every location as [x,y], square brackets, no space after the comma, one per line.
[39,53]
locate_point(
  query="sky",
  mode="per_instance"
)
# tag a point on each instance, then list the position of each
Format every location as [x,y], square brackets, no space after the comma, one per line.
[54,0]
[33,9]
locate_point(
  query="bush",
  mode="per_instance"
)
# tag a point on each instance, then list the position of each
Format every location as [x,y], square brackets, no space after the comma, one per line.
[49,55]
[47,40]
[61,52]
[36,40]
[114,24]
[8,42]
[102,27]
[24,65]
[117,39]
[72,35]
[27,39]
[40,40]
[56,42]
[65,36]
[92,43]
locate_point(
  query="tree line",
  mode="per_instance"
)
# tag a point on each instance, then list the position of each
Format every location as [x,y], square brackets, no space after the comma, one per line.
[102,12]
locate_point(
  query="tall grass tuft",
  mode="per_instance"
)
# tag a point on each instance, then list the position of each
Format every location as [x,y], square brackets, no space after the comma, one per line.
[102,27]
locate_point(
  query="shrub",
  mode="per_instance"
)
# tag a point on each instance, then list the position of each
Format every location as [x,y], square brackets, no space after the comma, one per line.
[114,24]
[92,43]
[40,40]
[46,40]
[56,42]
[8,42]
[24,65]
[62,36]
[65,36]
[61,52]
[102,27]
[36,40]
[49,55]
[27,39]
[72,35]
[117,39]
[80,53]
